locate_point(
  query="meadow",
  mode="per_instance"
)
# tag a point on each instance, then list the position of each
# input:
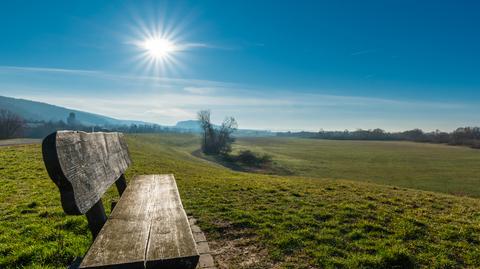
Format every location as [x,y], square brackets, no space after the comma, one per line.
[319,213]
[432,167]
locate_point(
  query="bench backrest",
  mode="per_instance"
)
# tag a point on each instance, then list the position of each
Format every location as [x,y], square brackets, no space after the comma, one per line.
[84,165]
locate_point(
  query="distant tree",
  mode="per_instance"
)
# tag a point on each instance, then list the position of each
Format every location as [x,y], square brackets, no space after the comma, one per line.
[416,135]
[224,137]
[71,120]
[207,128]
[11,124]
[216,140]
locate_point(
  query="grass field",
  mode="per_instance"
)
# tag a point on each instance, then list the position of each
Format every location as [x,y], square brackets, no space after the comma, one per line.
[269,221]
[432,167]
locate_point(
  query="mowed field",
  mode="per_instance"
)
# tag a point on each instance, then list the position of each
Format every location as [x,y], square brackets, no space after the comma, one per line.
[433,167]
[303,220]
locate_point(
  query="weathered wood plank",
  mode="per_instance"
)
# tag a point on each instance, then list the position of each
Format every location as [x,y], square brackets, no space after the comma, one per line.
[120,244]
[149,203]
[84,165]
[171,243]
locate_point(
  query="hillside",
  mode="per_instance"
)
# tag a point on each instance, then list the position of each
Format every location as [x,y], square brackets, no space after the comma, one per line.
[295,222]
[192,125]
[38,111]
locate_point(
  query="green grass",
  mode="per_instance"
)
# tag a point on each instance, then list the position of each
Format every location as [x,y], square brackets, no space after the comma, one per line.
[432,167]
[252,220]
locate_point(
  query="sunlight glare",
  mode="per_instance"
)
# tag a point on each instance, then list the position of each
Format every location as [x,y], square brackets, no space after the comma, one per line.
[158,48]
[160,43]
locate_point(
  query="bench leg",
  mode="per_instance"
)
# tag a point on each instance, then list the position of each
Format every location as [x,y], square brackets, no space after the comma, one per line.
[96,218]
[121,184]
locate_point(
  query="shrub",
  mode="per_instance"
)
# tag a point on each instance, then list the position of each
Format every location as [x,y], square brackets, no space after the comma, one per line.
[250,158]
[11,124]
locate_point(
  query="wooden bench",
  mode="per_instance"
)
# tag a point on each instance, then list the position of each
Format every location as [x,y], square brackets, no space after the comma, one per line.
[148,227]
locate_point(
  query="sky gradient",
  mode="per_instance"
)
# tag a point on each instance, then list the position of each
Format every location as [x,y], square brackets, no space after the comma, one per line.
[274,65]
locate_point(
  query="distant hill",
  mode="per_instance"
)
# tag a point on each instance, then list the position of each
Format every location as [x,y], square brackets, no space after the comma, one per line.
[192,125]
[38,111]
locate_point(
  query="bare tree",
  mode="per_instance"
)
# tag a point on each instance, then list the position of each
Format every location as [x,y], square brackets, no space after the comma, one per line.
[10,124]
[216,140]
[204,118]
[224,136]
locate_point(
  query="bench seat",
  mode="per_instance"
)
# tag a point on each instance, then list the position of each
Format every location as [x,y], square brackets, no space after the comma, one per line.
[148,228]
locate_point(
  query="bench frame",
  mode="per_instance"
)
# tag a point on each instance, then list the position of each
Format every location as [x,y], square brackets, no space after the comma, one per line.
[83,166]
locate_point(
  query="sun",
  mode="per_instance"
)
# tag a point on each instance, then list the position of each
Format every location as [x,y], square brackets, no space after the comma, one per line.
[158,48]
[159,52]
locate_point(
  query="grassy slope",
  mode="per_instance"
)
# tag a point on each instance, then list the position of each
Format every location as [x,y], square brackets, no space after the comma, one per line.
[255,221]
[431,167]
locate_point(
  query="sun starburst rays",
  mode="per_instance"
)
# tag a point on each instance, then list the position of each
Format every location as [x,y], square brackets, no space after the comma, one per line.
[159,45]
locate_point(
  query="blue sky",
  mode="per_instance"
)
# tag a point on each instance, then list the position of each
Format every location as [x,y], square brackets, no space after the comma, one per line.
[279,65]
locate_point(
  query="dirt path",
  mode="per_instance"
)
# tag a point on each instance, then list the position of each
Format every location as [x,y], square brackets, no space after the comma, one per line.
[19,141]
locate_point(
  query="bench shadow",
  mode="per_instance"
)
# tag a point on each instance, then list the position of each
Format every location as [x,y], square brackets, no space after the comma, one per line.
[76,263]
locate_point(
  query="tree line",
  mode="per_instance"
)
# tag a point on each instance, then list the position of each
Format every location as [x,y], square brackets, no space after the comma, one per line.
[465,136]
[219,140]
[14,126]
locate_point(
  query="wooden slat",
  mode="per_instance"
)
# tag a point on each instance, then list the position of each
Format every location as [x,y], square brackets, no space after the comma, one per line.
[84,165]
[137,200]
[150,203]
[120,244]
[171,243]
